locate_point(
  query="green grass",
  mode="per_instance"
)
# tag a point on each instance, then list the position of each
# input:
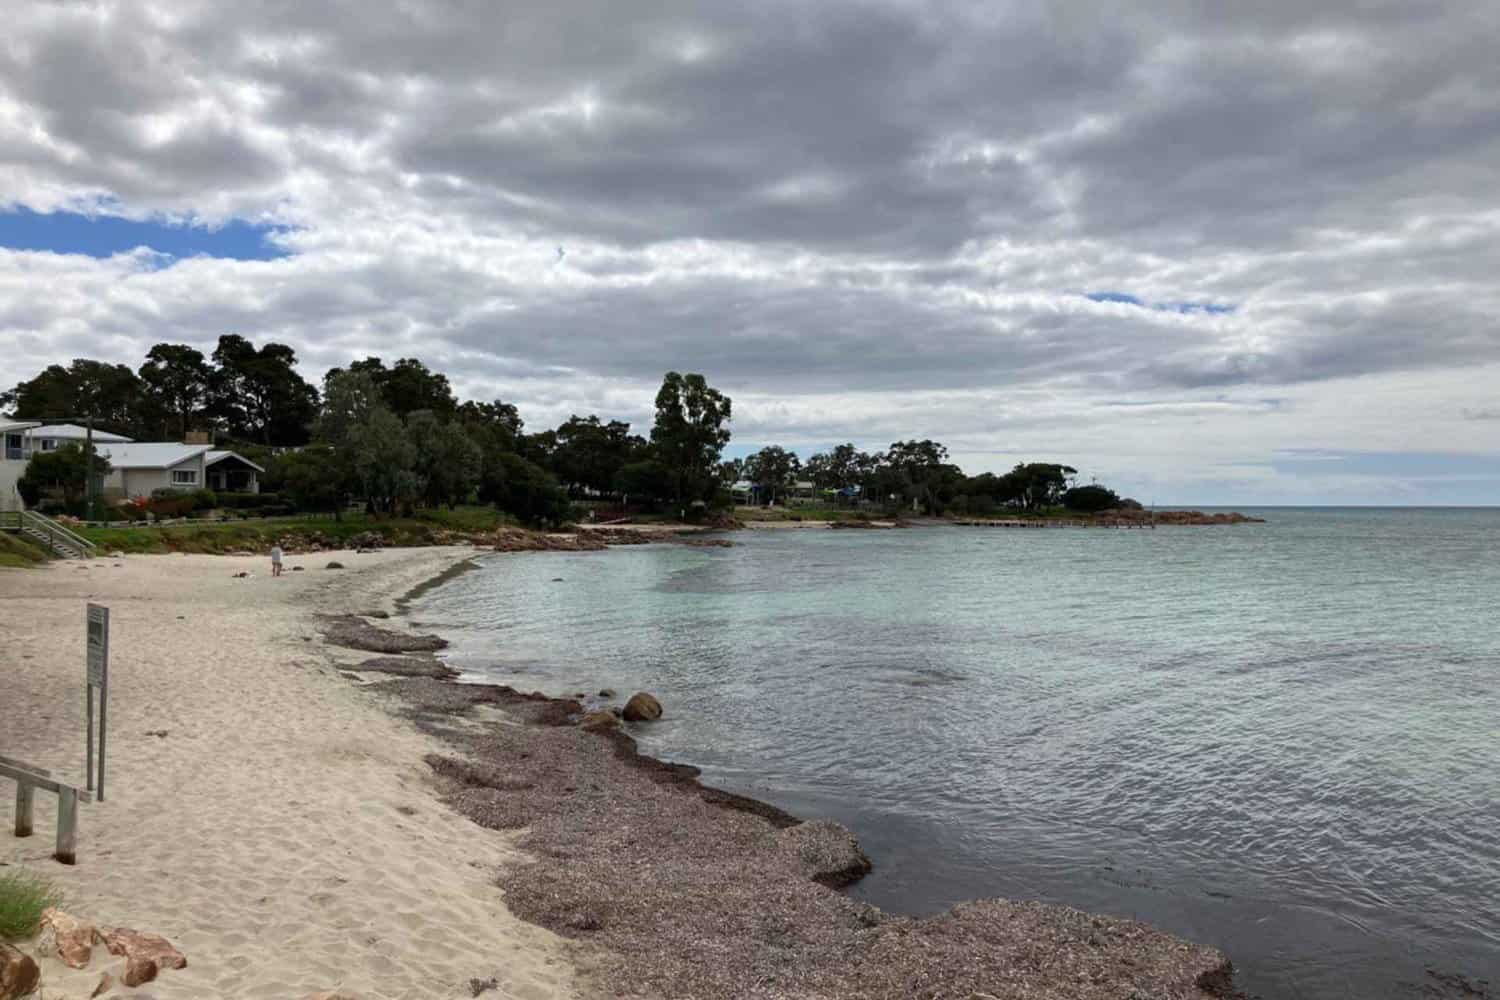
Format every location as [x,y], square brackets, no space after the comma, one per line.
[257,535]
[811,512]
[23,897]
[17,551]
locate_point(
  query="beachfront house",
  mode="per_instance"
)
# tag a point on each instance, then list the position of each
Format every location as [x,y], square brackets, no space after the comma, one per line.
[138,470]
[14,455]
[232,473]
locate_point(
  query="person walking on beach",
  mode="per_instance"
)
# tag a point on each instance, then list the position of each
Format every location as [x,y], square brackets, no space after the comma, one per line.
[276,559]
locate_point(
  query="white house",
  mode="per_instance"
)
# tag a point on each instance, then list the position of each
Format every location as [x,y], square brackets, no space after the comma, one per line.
[13,457]
[135,469]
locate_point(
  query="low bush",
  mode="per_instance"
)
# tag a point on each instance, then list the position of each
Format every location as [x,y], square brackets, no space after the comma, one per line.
[23,897]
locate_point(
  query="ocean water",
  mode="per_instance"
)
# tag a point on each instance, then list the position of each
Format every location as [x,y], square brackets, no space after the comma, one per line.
[1281,739]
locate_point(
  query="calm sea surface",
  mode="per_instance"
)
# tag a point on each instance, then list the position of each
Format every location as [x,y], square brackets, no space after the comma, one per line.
[1281,739]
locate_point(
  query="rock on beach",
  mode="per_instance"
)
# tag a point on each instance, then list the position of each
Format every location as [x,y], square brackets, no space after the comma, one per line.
[642,707]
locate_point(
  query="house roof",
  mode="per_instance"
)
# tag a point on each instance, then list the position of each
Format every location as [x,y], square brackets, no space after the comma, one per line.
[215,457]
[15,425]
[150,456]
[72,431]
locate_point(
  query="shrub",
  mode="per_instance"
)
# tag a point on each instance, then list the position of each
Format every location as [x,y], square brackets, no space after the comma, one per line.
[23,897]
[1090,499]
[204,500]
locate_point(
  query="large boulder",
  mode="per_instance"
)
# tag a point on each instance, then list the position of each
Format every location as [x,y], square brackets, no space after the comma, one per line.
[72,939]
[19,975]
[600,721]
[642,707]
[145,954]
[826,852]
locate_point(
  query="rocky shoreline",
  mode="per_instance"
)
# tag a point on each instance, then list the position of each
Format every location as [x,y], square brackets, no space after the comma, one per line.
[671,888]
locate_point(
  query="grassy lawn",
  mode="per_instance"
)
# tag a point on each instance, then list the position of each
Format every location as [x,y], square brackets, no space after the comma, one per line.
[18,551]
[425,528]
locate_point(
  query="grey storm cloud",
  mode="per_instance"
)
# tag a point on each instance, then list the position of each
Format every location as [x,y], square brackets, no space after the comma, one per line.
[828,204]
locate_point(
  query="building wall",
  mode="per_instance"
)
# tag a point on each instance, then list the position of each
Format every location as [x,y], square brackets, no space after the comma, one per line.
[122,484]
[10,472]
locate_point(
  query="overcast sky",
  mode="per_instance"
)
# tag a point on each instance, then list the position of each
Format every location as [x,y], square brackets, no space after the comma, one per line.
[1208,252]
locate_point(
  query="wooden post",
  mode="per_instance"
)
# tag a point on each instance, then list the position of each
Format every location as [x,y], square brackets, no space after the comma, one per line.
[25,795]
[67,826]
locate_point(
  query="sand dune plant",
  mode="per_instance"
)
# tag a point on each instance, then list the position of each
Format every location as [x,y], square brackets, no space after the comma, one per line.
[23,897]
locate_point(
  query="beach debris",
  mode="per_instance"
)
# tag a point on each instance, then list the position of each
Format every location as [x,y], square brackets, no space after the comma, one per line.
[105,982]
[557,579]
[334,565]
[19,974]
[161,733]
[478,986]
[296,569]
[72,939]
[145,954]
[600,721]
[242,574]
[642,707]
[356,633]
[827,852]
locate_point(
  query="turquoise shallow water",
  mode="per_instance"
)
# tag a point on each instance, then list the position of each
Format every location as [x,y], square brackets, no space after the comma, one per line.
[1283,739]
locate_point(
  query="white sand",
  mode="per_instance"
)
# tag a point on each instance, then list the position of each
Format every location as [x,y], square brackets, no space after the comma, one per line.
[267,835]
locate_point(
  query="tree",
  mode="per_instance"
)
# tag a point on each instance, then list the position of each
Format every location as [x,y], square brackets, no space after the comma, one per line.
[646,482]
[530,493]
[918,473]
[690,434]
[1038,485]
[310,479]
[1090,499]
[772,469]
[447,462]
[501,419]
[175,382]
[111,394]
[60,471]
[407,387]
[587,454]
[384,461]
[257,393]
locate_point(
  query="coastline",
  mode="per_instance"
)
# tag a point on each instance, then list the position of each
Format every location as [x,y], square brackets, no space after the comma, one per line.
[597,815]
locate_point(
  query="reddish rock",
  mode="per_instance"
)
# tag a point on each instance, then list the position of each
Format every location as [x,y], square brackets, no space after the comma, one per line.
[642,707]
[600,721]
[19,974]
[145,954]
[72,938]
[105,982]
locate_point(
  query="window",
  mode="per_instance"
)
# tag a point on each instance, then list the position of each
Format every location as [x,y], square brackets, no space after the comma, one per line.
[49,444]
[13,451]
[184,477]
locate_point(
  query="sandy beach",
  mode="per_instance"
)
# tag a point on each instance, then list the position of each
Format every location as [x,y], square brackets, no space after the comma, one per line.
[283,831]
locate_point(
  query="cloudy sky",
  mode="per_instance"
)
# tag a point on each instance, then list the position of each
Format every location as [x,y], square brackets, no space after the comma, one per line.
[1212,253]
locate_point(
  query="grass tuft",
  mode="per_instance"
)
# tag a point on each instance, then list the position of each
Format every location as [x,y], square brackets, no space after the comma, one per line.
[23,897]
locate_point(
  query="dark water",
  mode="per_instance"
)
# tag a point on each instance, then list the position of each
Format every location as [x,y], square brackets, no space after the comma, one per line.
[1280,739]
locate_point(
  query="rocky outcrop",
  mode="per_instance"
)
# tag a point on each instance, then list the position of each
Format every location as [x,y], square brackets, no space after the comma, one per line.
[356,633]
[642,707]
[106,981]
[19,975]
[70,938]
[145,954]
[366,540]
[518,540]
[407,666]
[827,852]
